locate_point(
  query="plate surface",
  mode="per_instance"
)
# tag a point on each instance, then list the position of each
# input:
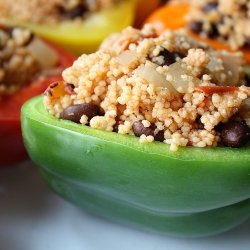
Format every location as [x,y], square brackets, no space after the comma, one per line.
[34,218]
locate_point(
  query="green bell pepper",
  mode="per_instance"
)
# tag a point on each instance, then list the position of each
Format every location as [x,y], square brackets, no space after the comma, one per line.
[191,192]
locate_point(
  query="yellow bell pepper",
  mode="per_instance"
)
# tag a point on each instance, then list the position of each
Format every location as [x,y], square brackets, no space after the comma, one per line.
[85,37]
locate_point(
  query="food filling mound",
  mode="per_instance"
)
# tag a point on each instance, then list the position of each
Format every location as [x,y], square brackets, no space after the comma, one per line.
[22,58]
[227,20]
[41,11]
[167,88]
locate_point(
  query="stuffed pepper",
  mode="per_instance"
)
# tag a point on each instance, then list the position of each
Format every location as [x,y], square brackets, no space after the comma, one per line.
[27,64]
[156,127]
[77,25]
[222,24]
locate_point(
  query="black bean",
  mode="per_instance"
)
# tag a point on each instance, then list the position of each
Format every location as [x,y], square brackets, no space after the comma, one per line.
[115,128]
[75,112]
[247,43]
[170,57]
[213,32]
[196,27]
[178,55]
[219,127]
[77,12]
[244,8]
[235,134]
[159,136]
[222,21]
[210,6]
[73,13]
[247,79]
[117,123]
[225,37]
[139,129]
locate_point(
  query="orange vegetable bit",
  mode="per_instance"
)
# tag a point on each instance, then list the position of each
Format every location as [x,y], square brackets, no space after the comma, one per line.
[58,89]
[173,16]
[221,45]
[216,89]
[170,16]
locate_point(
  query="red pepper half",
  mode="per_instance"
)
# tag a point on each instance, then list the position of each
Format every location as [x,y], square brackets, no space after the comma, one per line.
[12,150]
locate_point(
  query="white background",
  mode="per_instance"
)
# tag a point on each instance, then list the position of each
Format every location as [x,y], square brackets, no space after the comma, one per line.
[34,218]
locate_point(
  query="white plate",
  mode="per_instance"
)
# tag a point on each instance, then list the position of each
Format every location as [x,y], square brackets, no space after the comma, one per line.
[34,218]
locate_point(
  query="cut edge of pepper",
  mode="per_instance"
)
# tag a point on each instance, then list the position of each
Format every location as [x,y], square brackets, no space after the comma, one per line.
[34,110]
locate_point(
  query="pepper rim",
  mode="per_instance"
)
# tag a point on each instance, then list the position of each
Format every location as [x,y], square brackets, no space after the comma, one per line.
[225,154]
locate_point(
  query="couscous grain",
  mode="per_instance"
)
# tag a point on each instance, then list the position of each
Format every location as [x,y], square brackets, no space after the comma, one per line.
[166,88]
[226,20]
[23,58]
[43,11]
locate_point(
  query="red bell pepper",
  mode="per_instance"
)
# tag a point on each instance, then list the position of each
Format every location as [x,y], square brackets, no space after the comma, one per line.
[12,150]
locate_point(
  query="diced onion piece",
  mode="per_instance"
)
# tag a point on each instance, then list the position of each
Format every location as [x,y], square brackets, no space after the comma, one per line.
[226,68]
[215,68]
[127,58]
[45,55]
[233,67]
[180,78]
[149,73]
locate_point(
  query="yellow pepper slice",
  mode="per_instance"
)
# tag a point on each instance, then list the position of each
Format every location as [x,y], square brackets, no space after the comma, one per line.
[85,37]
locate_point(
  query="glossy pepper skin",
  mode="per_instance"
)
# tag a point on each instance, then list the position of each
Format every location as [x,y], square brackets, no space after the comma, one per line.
[191,192]
[12,150]
[85,37]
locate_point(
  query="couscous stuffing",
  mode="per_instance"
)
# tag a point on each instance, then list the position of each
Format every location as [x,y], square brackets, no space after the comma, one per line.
[167,88]
[227,20]
[22,59]
[43,11]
